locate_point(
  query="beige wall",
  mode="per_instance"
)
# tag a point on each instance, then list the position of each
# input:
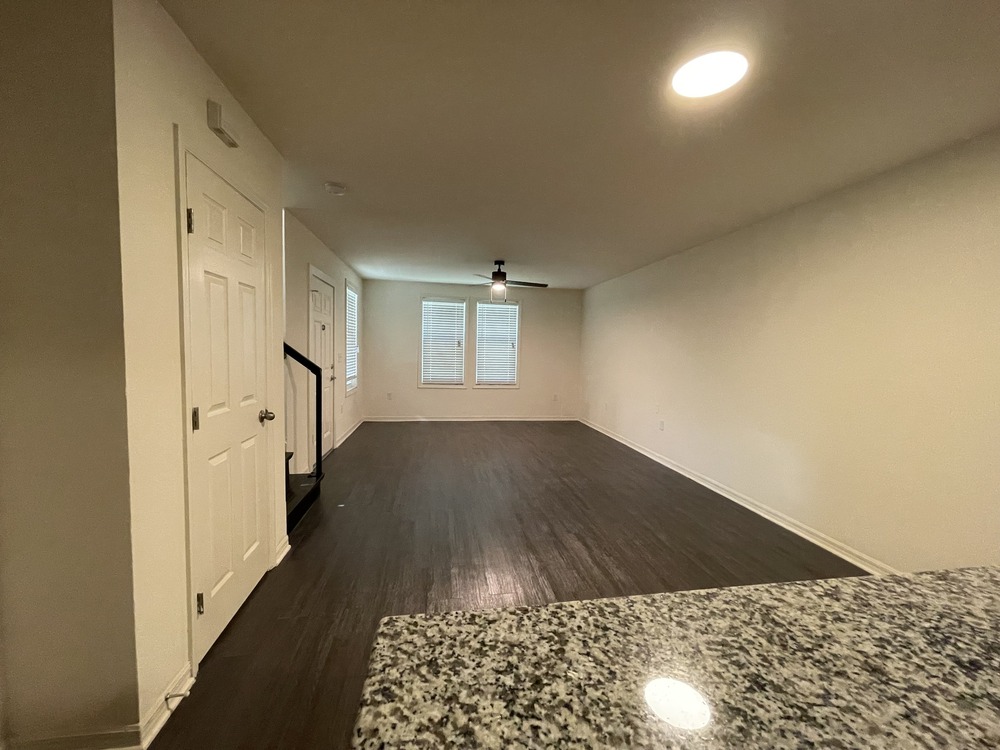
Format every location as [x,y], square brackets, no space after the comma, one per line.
[549,358]
[302,249]
[838,363]
[65,560]
[161,81]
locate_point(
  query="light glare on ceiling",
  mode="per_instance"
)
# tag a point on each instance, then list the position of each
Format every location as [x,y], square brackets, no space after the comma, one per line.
[709,74]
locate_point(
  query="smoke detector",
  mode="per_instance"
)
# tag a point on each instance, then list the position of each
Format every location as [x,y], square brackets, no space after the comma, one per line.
[335,188]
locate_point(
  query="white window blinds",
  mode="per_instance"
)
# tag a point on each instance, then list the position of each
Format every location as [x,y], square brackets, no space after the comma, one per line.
[496,343]
[442,355]
[351,367]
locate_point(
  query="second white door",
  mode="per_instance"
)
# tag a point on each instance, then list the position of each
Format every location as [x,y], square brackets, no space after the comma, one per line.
[321,352]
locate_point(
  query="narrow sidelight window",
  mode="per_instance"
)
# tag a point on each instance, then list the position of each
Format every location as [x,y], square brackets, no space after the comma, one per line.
[351,367]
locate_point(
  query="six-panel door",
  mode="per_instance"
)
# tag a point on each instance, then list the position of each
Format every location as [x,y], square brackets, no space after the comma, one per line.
[228,453]
[321,352]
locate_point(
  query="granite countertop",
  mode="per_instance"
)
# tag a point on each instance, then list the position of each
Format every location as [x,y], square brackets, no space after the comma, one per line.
[875,662]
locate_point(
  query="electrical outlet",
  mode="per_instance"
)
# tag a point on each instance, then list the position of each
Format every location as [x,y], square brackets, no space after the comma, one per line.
[661,425]
[388,396]
[341,408]
[555,396]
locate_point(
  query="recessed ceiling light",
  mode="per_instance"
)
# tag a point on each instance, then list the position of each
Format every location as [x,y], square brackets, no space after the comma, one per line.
[709,74]
[335,188]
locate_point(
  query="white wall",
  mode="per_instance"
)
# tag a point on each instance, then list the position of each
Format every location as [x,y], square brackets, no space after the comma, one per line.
[302,249]
[4,729]
[549,358]
[161,81]
[68,649]
[838,363]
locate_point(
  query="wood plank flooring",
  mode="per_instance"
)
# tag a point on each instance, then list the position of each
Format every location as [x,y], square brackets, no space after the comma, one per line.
[461,515]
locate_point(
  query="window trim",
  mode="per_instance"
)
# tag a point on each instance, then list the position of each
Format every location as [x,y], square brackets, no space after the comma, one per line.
[420,345]
[517,368]
[349,287]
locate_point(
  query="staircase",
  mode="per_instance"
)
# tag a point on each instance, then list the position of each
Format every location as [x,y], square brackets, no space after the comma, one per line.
[302,489]
[300,492]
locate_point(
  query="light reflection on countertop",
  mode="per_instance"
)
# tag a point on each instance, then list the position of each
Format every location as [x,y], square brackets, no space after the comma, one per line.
[677,703]
[889,662]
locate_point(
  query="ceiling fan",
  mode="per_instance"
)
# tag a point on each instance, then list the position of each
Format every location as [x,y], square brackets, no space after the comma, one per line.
[499,282]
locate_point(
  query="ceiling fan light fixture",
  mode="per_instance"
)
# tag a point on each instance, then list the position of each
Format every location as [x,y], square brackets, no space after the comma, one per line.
[498,281]
[499,275]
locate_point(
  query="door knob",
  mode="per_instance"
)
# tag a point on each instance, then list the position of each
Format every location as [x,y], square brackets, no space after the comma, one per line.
[265,416]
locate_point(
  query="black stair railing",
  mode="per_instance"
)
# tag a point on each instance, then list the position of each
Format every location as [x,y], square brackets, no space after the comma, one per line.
[318,372]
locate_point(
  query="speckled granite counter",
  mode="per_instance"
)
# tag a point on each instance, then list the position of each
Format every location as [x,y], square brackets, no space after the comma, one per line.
[893,662]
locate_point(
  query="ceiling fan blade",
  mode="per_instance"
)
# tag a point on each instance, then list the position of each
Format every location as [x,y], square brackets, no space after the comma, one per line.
[511,282]
[484,276]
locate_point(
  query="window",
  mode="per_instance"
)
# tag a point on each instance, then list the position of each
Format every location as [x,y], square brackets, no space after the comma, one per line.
[442,351]
[351,367]
[496,343]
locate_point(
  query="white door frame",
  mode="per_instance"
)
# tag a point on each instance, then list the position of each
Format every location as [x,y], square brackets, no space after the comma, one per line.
[327,279]
[181,152]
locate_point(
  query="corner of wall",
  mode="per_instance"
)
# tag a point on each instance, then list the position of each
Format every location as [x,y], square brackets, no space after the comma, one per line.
[156,716]
[68,658]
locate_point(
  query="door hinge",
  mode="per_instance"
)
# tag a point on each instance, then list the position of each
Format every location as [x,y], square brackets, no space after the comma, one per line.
[199,601]
[190,221]
[195,419]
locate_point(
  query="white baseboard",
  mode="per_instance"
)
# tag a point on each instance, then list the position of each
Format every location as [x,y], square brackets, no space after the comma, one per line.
[283,549]
[472,419]
[154,720]
[806,532]
[340,441]
[126,738]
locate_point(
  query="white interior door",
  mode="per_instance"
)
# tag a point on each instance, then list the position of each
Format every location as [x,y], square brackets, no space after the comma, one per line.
[321,352]
[227,455]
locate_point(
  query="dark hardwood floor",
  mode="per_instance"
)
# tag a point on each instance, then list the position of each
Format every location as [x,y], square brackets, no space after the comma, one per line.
[461,515]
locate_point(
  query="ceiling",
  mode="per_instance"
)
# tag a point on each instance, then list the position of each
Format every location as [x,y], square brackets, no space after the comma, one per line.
[542,131]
